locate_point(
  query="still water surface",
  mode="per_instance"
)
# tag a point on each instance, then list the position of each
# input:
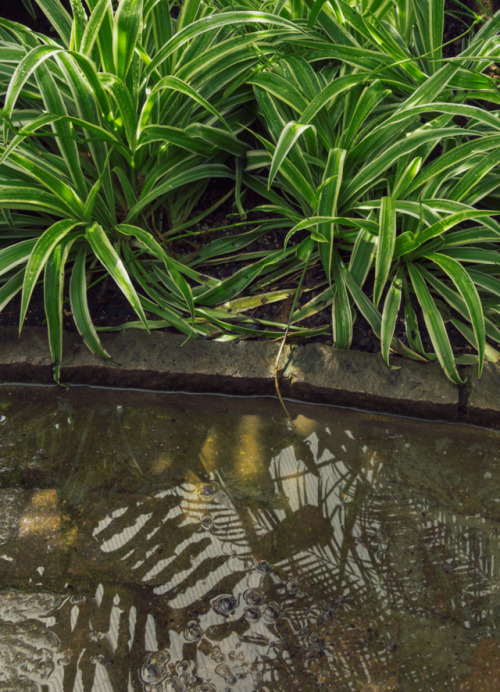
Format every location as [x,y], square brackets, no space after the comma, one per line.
[186,543]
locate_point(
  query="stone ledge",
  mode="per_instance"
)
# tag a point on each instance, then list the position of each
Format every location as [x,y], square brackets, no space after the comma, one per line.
[483,405]
[311,372]
[351,378]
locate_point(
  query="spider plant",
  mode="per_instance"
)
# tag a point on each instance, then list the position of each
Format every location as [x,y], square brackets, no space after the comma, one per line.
[111,131]
[396,189]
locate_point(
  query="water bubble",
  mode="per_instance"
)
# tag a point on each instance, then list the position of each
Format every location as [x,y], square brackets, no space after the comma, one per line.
[217,655]
[192,633]
[76,599]
[263,567]
[96,636]
[271,612]
[155,668]
[206,522]
[241,671]
[225,605]
[173,685]
[208,491]
[226,673]
[252,614]
[65,659]
[253,597]
[184,666]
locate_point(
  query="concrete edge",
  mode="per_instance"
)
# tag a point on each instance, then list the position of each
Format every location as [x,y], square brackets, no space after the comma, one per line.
[310,372]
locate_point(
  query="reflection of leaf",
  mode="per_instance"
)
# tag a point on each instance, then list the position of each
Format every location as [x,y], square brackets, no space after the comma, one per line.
[295,533]
[332,532]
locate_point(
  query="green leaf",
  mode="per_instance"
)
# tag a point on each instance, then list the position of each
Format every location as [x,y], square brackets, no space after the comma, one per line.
[390,313]
[327,204]
[13,255]
[182,287]
[202,172]
[410,242]
[370,97]
[123,100]
[175,84]
[402,181]
[91,33]
[175,136]
[112,262]
[209,23]
[79,305]
[38,169]
[385,248]
[411,325]
[38,259]
[491,354]
[331,91]
[79,21]
[53,287]
[435,325]
[11,288]
[364,304]
[467,290]
[126,30]
[288,137]
[342,321]
[280,88]
[92,196]
[31,199]
[58,17]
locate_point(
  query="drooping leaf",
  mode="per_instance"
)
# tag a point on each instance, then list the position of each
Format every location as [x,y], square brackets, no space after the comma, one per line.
[112,262]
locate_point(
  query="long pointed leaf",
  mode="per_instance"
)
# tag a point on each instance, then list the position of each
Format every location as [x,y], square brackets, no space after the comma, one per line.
[467,290]
[39,257]
[79,305]
[53,287]
[435,325]
[112,262]
[385,248]
[288,137]
[126,30]
[389,315]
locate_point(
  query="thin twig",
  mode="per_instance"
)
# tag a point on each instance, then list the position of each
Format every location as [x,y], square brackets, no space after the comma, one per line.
[276,363]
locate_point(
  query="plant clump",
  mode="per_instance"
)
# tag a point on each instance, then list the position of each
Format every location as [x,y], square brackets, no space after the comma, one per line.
[372,147]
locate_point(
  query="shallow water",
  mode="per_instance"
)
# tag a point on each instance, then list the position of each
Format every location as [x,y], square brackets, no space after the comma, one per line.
[160,542]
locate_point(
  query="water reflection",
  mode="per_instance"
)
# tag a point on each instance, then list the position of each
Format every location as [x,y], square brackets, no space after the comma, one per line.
[186,543]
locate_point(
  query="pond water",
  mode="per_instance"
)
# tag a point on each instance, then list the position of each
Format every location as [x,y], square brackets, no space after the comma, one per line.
[181,543]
